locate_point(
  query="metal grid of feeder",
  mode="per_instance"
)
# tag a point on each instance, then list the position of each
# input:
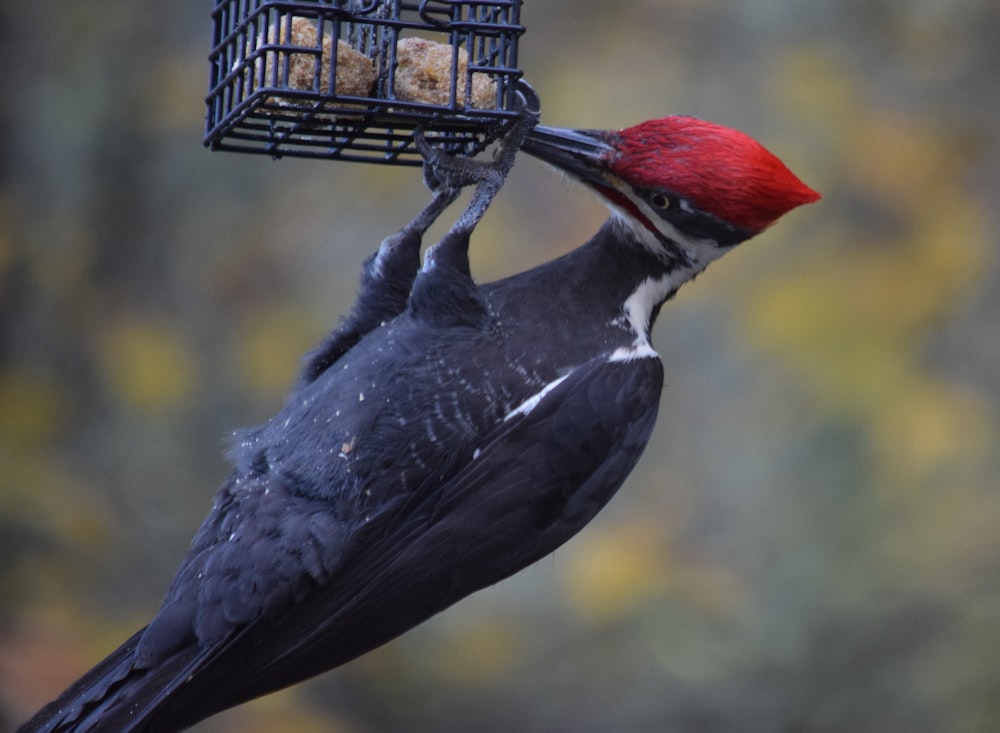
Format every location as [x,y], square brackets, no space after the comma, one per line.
[352,79]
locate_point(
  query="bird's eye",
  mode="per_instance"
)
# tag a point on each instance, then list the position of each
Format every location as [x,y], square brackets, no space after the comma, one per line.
[659,201]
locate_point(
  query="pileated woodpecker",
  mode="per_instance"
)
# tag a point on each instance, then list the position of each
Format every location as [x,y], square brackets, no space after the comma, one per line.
[446,436]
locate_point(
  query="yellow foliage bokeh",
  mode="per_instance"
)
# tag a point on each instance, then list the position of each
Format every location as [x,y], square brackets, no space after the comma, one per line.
[33,408]
[147,363]
[264,345]
[615,570]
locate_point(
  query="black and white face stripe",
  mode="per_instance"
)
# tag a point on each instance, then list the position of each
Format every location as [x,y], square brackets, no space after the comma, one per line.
[675,248]
[687,219]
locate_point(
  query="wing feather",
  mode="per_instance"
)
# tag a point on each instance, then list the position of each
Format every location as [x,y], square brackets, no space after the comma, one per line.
[296,589]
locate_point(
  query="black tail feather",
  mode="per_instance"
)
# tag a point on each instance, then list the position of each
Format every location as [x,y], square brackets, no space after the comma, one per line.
[117,697]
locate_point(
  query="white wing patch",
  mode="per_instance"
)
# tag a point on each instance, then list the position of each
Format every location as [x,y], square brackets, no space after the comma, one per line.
[532,402]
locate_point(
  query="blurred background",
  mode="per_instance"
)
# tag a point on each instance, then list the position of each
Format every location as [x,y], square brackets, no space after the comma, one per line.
[809,544]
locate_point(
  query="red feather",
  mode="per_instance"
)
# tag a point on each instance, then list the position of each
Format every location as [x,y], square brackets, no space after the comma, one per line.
[720,170]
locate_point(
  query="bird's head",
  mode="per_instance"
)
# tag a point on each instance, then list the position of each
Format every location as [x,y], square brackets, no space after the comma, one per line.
[678,180]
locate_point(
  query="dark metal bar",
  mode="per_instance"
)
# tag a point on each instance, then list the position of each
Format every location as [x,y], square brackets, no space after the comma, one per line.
[251,106]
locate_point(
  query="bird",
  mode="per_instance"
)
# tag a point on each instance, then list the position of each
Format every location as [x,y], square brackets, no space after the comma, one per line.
[446,436]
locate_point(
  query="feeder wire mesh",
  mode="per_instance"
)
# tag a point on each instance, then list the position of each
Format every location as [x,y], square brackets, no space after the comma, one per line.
[352,79]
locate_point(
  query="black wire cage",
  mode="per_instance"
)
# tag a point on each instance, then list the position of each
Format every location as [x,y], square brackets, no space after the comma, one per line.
[353,79]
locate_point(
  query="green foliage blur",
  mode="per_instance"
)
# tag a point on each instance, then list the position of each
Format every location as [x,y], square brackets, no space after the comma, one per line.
[810,543]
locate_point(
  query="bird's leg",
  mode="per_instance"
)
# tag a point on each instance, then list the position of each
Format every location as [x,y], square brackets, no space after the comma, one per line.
[388,276]
[444,196]
[455,171]
[529,109]
[489,178]
[452,171]
[496,173]
[444,170]
[400,246]
[386,279]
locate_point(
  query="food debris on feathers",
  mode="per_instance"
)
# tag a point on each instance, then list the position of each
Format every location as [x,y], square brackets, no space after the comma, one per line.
[355,71]
[423,74]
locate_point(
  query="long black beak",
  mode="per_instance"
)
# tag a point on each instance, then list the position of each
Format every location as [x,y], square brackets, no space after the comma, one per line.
[581,153]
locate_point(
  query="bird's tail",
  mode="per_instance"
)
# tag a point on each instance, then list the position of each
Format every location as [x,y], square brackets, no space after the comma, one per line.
[115,697]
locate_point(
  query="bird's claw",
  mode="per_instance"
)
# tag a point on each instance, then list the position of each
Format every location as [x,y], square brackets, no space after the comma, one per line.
[446,174]
[456,171]
[444,170]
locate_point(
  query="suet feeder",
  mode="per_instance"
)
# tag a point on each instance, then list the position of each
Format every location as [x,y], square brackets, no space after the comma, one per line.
[353,79]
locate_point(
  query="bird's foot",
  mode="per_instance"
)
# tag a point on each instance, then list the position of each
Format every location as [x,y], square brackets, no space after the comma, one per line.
[453,172]
[493,181]
[448,171]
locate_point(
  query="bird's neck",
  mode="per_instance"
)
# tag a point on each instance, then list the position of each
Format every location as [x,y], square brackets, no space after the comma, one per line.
[607,292]
[642,272]
[664,264]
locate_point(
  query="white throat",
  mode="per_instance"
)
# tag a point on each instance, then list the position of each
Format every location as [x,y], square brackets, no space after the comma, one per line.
[639,306]
[685,256]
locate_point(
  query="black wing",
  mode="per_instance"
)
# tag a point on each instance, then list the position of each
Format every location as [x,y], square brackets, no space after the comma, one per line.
[535,481]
